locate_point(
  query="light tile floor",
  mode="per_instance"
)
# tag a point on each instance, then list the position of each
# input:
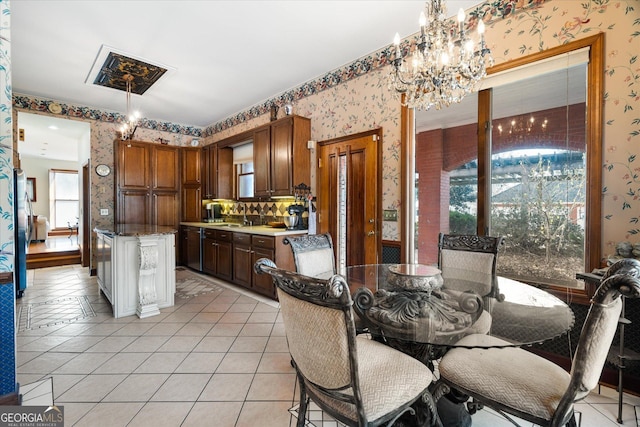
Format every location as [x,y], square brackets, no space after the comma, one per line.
[215,359]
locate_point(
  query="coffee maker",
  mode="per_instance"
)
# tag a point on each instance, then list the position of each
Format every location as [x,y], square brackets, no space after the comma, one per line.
[214,212]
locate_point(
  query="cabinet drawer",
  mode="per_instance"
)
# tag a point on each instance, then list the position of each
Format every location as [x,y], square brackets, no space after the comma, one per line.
[209,234]
[223,235]
[266,242]
[242,239]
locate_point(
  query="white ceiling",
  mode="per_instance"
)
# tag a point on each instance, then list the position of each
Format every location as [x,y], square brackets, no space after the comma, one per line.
[226,55]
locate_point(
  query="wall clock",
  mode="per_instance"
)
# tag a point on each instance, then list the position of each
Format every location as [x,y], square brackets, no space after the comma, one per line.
[103,170]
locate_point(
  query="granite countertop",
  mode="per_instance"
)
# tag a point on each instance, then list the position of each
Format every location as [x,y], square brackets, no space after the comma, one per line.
[135,230]
[263,230]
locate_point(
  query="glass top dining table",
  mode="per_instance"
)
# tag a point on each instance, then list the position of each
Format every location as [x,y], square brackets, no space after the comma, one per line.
[419,304]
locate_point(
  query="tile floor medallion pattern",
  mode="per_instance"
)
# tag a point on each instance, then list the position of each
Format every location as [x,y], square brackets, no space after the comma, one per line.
[53,312]
[189,285]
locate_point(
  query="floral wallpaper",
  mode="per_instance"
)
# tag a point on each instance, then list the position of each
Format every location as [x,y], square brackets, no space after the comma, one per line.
[6,143]
[356,98]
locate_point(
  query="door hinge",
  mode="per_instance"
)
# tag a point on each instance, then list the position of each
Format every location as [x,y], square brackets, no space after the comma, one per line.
[319,163]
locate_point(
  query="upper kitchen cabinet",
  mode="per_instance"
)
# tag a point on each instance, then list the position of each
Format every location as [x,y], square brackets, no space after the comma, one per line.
[280,156]
[191,166]
[148,183]
[217,172]
[191,184]
[132,165]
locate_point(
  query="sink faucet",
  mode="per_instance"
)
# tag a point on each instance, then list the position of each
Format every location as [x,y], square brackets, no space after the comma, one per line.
[245,221]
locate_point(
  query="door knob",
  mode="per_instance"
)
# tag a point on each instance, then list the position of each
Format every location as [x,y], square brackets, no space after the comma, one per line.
[371,233]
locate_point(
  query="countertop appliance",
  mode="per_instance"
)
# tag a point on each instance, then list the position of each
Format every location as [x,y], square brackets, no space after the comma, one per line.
[214,212]
[297,210]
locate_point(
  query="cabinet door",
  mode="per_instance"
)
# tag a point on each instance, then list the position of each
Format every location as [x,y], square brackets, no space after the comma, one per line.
[165,166]
[193,248]
[191,164]
[133,207]
[165,208]
[262,283]
[209,255]
[132,166]
[262,162]
[191,204]
[224,264]
[224,175]
[242,271]
[209,172]
[281,160]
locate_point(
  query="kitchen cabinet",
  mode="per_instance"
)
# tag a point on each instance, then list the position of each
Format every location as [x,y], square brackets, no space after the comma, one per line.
[148,184]
[262,247]
[242,271]
[191,247]
[249,248]
[191,188]
[217,253]
[191,166]
[281,158]
[217,172]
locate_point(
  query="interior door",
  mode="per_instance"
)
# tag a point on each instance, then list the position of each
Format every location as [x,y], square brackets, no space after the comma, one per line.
[349,204]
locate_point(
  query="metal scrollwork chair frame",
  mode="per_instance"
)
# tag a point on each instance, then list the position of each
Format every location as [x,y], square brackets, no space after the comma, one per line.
[516,382]
[356,380]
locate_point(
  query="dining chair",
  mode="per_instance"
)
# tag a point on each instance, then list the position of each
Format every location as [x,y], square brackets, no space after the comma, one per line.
[516,382]
[313,255]
[471,253]
[356,380]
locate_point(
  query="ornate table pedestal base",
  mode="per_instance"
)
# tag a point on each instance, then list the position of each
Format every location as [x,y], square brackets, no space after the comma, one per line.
[148,257]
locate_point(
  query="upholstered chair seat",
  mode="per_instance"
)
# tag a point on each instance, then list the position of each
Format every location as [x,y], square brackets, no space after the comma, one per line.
[514,377]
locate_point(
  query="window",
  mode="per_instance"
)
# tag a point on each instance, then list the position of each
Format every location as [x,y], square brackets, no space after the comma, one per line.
[64,198]
[520,159]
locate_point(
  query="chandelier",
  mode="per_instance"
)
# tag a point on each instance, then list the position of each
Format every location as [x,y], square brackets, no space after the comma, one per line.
[131,121]
[445,65]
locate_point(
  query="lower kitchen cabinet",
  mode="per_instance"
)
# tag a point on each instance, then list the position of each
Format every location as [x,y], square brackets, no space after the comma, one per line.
[217,253]
[230,255]
[247,249]
[242,260]
[190,247]
[263,247]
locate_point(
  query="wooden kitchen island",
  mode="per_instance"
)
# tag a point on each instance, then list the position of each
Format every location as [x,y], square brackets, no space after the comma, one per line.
[136,268]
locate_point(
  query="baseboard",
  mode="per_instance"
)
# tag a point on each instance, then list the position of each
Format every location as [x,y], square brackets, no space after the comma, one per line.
[11,399]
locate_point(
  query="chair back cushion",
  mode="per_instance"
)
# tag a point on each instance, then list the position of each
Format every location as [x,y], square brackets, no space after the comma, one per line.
[597,334]
[474,261]
[318,341]
[313,255]
[318,263]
